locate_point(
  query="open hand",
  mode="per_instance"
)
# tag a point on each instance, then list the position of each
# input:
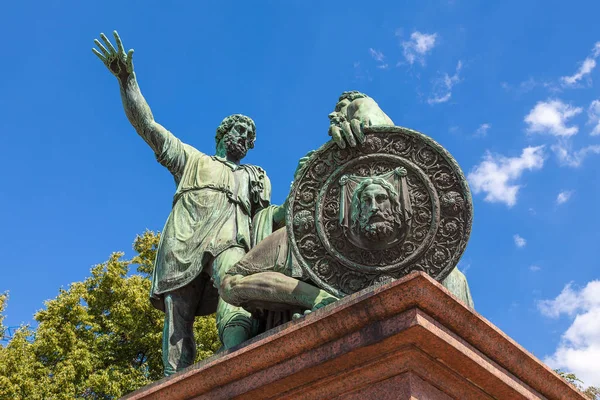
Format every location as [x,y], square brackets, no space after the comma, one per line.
[116,60]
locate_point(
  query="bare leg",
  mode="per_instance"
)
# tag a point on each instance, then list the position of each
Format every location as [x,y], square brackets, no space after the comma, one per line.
[275,288]
[179,345]
[234,324]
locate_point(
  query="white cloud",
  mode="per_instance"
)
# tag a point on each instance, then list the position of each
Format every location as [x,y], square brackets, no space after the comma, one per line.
[551,117]
[563,197]
[442,87]
[379,57]
[579,349]
[519,241]
[376,54]
[567,302]
[496,175]
[523,87]
[594,116]
[418,46]
[567,156]
[482,130]
[587,66]
[361,73]
[535,268]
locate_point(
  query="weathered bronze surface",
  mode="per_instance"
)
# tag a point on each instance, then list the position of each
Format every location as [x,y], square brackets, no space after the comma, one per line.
[373,204]
[394,204]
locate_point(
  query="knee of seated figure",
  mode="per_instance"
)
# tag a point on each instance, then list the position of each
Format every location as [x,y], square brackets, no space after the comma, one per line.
[227,290]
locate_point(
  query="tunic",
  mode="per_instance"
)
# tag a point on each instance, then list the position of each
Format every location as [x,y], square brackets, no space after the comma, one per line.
[212,211]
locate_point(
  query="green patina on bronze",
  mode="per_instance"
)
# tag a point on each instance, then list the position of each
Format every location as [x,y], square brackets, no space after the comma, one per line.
[224,238]
[279,270]
[209,228]
[220,210]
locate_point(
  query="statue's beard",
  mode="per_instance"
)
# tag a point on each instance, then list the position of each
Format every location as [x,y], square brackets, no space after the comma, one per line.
[382,229]
[235,149]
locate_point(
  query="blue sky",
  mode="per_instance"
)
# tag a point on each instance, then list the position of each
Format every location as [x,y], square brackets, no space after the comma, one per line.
[509,88]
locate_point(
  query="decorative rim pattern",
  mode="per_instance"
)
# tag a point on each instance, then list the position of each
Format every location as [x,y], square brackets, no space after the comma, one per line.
[440,224]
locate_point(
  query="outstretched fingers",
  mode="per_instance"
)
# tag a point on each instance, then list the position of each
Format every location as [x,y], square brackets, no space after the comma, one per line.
[100,56]
[130,61]
[120,47]
[101,47]
[109,45]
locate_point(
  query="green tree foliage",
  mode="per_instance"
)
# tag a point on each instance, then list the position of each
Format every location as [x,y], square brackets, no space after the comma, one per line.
[591,392]
[99,339]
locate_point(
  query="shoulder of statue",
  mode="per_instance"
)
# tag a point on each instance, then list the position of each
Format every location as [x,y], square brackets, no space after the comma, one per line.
[255,169]
[191,150]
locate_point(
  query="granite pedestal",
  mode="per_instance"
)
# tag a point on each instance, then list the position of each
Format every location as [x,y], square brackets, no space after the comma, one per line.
[409,339]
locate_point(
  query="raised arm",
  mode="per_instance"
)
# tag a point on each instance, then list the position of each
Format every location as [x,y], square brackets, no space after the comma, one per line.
[139,114]
[168,149]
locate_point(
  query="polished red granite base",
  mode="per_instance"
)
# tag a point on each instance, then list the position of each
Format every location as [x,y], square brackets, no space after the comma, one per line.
[410,339]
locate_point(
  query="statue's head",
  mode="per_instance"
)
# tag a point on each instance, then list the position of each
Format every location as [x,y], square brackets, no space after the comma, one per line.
[237,134]
[348,97]
[376,213]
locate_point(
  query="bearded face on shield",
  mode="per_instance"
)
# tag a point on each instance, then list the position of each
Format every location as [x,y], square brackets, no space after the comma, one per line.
[376,214]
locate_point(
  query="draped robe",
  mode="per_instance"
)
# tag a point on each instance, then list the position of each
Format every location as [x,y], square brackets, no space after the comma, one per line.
[212,211]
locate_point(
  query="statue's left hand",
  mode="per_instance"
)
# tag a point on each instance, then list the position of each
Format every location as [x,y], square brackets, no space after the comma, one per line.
[345,132]
[119,63]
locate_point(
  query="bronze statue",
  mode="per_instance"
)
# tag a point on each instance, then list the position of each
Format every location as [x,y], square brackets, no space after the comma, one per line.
[373,205]
[209,227]
[404,206]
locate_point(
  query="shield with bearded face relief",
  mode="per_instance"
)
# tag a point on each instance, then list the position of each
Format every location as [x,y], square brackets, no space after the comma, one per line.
[395,204]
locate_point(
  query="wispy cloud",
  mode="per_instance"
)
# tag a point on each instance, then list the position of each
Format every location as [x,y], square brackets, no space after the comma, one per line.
[482,130]
[497,175]
[594,117]
[523,87]
[564,196]
[376,54]
[379,57]
[418,46]
[551,117]
[573,158]
[519,241]
[579,349]
[361,73]
[586,67]
[442,87]
[535,268]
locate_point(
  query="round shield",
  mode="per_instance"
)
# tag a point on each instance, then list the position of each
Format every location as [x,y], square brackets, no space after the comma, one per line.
[364,215]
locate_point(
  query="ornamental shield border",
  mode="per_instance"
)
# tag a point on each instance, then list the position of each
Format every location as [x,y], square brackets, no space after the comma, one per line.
[428,201]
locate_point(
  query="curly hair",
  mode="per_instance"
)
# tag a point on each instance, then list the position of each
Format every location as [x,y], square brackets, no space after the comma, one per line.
[347,98]
[352,95]
[230,121]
